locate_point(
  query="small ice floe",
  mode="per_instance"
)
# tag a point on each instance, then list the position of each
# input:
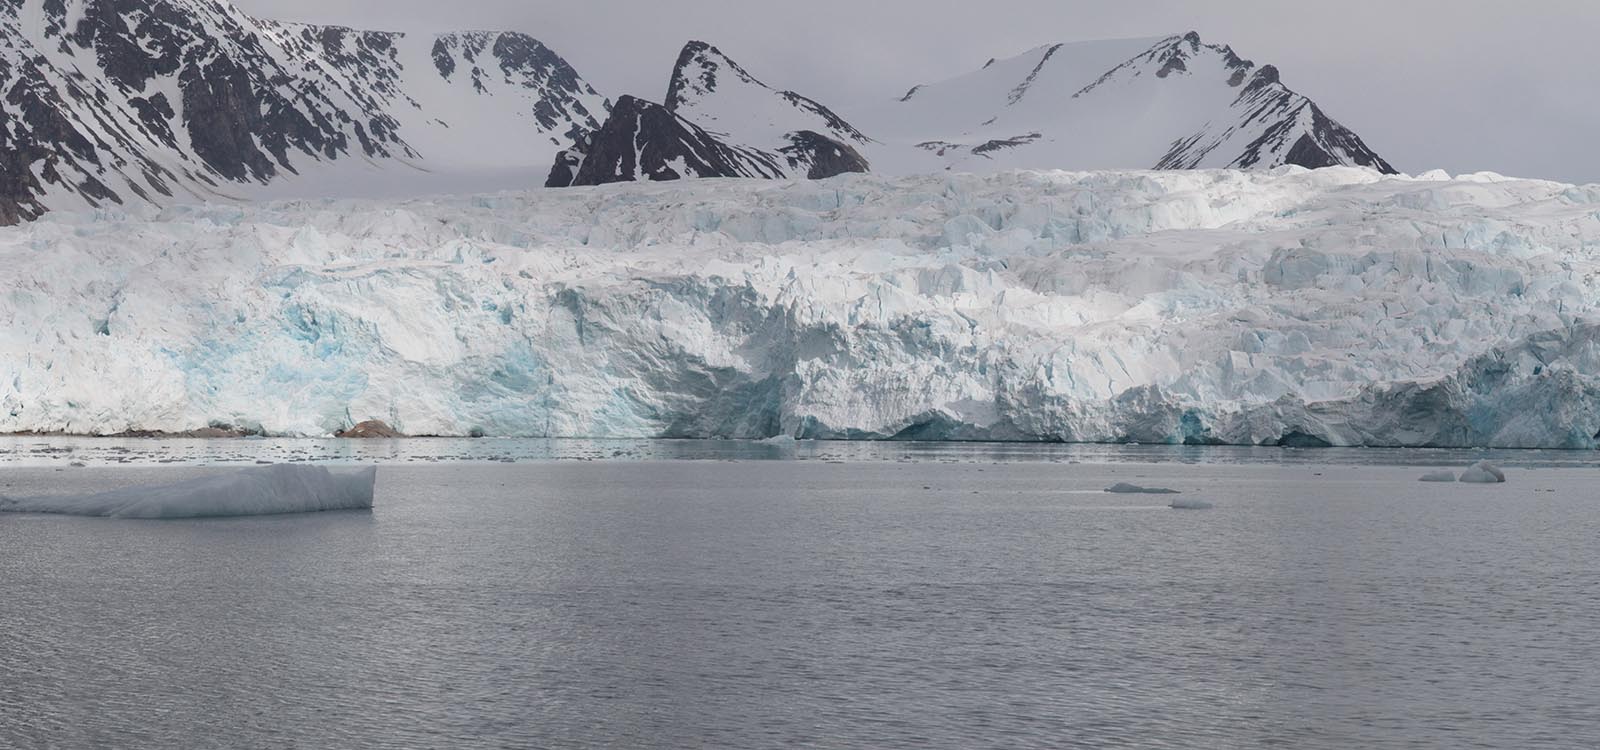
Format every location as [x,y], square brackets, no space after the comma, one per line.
[256,491]
[1189,504]
[1439,476]
[1123,488]
[1483,472]
[779,440]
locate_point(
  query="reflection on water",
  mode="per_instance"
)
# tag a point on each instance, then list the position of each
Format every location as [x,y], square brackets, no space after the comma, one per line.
[912,596]
[62,451]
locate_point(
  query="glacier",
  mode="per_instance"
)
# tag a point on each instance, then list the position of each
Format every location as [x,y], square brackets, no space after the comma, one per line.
[1280,307]
[256,491]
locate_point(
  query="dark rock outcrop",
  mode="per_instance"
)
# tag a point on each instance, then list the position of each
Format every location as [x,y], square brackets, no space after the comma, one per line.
[822,157]
[1293,129]
[644,141]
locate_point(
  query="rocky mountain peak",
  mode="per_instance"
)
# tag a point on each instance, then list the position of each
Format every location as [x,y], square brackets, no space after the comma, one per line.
[115,101]
[698,71]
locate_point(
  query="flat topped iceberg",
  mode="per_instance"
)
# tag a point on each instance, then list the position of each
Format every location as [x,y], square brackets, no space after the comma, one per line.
[259,491]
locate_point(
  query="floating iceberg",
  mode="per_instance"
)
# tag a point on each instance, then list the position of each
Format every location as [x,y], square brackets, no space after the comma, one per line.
[1123,488]
[1191,505]
[1439,476]
[258,491]
[1483,472]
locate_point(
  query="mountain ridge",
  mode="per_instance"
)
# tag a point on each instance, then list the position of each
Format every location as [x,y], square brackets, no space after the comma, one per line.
[126,101]
[717,120]
[1172,102]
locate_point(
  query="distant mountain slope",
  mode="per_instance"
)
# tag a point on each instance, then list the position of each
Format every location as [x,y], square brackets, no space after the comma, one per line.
[118,101]
[1168,103]
[714,91]
[726,122]
[479,97]
[128,102]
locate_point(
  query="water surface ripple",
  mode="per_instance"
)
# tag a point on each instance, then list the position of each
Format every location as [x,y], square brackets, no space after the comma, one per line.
[958,597]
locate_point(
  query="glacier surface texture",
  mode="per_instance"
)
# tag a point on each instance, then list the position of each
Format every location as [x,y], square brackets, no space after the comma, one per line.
[1282,307]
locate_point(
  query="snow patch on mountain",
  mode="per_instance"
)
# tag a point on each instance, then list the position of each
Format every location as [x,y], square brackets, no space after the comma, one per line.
[716,93]
[1335,307]
[718,120]
[1167,103]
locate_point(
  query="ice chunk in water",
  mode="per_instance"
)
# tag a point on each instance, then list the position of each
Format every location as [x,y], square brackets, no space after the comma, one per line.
[1191,505]
[1439,476]
[1483,472]
[257,491]
[1123,488]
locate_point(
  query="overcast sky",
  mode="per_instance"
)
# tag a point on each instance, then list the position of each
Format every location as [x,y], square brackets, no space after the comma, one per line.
[1506,85]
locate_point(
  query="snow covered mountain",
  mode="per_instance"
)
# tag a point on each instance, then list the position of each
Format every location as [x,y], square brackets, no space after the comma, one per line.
[1162,103]
[717,120]
[118,101]
[1276,306]
[646,141]
[1167,103]
[122,101]
[710,89]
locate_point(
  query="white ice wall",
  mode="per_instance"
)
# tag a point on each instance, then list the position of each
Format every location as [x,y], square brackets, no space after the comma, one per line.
[1158,307]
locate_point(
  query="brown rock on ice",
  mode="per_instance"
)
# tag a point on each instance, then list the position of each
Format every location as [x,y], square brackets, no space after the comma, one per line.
[372,428]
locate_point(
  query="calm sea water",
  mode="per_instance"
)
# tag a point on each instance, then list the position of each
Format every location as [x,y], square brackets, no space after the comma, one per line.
[835,595]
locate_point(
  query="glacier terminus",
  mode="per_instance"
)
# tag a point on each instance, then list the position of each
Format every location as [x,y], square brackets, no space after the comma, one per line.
[1292,307]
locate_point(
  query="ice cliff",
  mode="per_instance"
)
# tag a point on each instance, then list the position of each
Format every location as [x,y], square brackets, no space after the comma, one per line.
[1335,307]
